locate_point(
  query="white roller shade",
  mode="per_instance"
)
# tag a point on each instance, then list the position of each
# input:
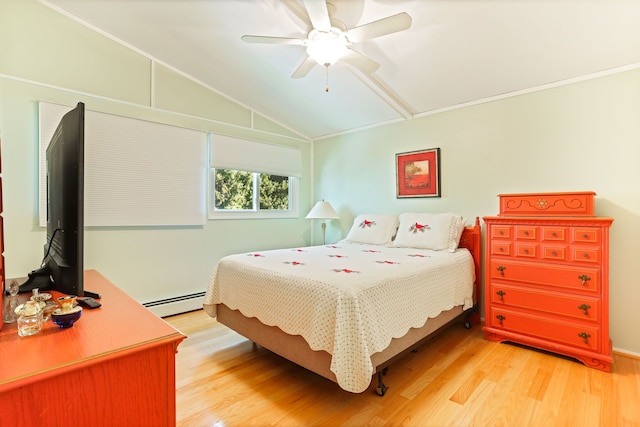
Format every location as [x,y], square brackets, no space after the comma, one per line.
[242,154]
[137,173]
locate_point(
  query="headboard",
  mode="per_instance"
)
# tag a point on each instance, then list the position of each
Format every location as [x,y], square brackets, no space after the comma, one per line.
[470,240]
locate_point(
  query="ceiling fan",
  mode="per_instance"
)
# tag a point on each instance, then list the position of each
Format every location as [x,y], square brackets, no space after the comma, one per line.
[329,40]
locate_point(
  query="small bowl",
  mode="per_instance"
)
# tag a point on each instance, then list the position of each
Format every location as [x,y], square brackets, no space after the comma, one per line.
[44,296]
[66,319]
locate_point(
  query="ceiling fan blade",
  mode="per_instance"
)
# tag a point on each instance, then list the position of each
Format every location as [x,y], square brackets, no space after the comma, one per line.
[304,68]
[381,27]
[361,62]
[272,40]
[299,11]
[318,14]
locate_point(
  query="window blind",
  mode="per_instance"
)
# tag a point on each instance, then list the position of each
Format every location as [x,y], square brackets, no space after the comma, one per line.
[251,156]
[137,172]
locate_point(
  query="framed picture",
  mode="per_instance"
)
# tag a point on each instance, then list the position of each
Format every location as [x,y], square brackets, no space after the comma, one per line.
[418,173]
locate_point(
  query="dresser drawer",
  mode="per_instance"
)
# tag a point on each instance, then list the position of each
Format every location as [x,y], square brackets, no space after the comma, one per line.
[554,253]
[554,234]
[577,278]
[501,232]
[501,248]
[586,235]
[529,250]
[586,336]
[574,306]
[589,255]
[526,232]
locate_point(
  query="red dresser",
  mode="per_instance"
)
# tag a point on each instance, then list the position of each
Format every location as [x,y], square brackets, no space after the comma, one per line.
[114,367]
[547,275]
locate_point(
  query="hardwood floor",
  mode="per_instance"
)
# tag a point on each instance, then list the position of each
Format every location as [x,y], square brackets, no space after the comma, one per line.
[457,379]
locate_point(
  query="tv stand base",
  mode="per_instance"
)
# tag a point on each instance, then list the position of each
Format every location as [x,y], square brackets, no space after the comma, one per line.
[38,279]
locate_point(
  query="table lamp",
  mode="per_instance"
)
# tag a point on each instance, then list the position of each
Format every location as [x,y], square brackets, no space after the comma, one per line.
[322,210]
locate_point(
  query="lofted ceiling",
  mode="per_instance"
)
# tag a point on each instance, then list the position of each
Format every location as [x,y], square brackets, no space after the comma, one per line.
[456,52]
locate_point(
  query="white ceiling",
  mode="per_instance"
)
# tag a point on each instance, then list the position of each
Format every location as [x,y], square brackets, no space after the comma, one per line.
[456,52]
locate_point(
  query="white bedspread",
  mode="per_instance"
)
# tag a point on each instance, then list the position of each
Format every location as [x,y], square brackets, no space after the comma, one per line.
[347,299]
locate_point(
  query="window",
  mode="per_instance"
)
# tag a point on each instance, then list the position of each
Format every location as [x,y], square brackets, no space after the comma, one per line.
[235,190]
[242,194]
[251,179]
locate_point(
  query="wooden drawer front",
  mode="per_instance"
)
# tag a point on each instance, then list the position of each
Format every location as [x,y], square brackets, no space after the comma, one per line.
[526,232]
[586,235]
[501,248]
[588,255]
[526,250]
[565,277]
[585,336]
[547,204]
[501,231]
[574,306]
[554,234]
[554,253]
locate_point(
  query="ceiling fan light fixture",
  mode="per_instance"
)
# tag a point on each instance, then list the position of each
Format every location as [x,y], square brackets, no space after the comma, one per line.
[326,47]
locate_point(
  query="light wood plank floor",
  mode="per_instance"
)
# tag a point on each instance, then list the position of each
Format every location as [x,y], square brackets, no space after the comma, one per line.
[457,379]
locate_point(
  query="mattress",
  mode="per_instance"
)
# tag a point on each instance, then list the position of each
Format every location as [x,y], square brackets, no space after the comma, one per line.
[348,299]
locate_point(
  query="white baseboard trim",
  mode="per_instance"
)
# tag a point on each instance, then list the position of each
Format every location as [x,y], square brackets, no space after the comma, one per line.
[623,352]
[176,305]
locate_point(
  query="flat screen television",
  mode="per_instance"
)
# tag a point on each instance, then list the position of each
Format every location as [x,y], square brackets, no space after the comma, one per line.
[62,265]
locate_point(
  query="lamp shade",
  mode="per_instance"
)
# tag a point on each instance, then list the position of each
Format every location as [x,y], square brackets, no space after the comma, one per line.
[322,210]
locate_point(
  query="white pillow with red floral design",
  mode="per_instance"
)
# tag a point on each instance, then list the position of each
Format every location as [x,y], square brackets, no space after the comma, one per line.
[373,229]
[435,231]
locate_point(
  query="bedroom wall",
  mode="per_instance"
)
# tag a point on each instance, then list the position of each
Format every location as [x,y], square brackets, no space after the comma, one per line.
[578,137]
[46,56]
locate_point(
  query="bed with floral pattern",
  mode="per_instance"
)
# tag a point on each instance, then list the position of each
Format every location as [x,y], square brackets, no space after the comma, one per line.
[346,310]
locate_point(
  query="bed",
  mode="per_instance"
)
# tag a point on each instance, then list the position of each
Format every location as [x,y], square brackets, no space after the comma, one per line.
[346,311]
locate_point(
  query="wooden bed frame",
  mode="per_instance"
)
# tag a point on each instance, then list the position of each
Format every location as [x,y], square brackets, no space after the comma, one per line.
[296,349]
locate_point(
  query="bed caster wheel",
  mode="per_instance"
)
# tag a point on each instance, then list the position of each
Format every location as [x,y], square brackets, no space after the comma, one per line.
[381,389]
[467,324]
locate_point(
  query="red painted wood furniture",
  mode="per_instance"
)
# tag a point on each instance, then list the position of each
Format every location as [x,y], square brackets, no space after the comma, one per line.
[547,275]
[114,367]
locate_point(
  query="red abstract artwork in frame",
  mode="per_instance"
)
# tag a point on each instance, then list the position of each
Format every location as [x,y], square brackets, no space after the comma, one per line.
[418,173]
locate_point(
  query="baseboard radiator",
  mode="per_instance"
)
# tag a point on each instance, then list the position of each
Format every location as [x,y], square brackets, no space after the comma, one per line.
[176,305]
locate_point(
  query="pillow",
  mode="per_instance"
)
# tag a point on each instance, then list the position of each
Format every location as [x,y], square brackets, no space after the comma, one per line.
[457,226]
[429,231]
[373,229]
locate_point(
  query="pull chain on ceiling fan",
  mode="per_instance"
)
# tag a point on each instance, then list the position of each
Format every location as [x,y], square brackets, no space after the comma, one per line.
[327,43]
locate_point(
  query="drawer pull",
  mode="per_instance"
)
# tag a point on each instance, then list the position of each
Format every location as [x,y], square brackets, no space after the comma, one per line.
[501,249]
[500,232]
[554,234]
[585,308]
[500,318]
[554,253]
[501,294]
[526,251]
[585,337]
[501,269]
[526,233]
[584,279]
[585,236]
[585,255]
